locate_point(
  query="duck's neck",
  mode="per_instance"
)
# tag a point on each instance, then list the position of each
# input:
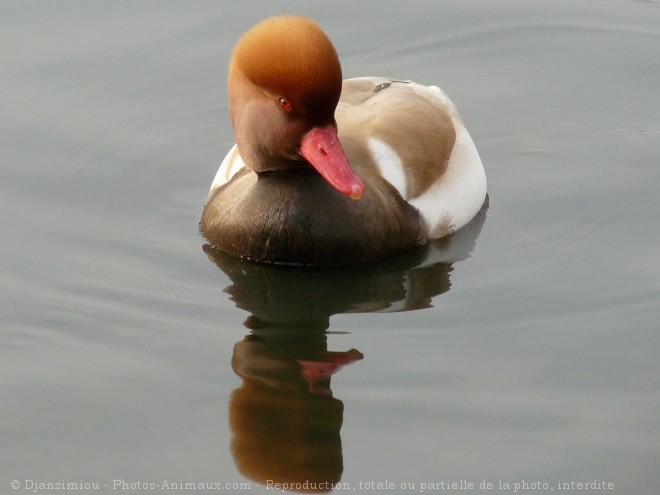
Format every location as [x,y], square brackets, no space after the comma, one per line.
[297,169]
[264,163]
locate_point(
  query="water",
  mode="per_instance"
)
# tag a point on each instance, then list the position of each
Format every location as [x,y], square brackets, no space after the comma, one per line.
[523,350]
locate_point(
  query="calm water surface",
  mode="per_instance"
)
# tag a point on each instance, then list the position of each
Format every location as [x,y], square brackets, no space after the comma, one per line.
[525,348]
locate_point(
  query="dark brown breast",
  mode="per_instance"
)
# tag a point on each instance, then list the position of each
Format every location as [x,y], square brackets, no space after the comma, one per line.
[298,218]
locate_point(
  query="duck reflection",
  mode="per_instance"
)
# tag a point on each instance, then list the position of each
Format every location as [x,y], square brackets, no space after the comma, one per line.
[284,419]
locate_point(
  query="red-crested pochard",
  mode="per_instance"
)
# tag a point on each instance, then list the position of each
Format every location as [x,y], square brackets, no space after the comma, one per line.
[326,172]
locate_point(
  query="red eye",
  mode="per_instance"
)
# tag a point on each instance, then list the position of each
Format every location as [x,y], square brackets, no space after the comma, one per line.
[285,104]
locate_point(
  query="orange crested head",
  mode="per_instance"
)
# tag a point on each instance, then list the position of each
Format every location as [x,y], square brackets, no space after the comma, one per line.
[292,58]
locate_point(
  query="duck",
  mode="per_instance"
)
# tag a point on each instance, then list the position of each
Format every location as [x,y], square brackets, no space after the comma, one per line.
[329,172]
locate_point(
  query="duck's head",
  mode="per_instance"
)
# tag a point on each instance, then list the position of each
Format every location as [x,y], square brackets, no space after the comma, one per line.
[284,84]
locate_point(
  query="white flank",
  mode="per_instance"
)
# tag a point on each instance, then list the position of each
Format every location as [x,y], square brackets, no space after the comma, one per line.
[389,164]
[460,193]
[228,168]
